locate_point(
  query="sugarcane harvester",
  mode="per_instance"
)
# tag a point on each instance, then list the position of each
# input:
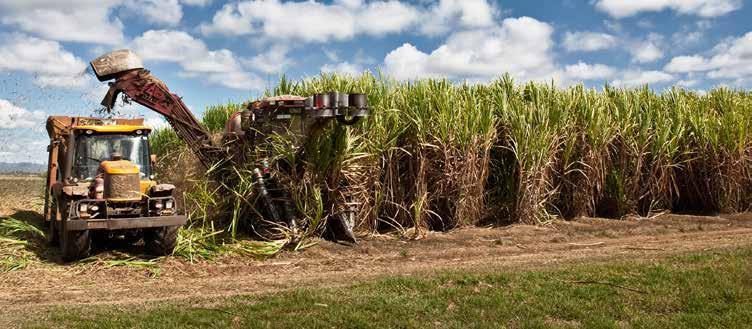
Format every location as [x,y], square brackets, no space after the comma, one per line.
[245,130]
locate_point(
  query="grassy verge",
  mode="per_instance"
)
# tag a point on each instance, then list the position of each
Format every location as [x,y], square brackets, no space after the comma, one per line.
[702,290]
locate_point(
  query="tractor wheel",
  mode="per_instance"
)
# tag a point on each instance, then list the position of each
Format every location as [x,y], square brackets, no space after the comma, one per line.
[53,227]
[161,241]
[74,245]
[53,231]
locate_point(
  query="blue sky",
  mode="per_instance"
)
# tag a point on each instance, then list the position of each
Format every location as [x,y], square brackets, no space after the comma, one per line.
[211,51]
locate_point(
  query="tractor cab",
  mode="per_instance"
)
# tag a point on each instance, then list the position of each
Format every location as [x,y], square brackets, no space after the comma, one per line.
[93,148]
[100,179]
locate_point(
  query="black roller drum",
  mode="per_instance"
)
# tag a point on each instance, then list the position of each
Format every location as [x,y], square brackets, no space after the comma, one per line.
[358,101]
[321,101]
[344,100]
[334,99]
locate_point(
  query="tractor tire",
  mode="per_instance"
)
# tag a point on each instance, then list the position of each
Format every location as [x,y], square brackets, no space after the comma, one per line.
[53,232]
[74,245]
[53,235]
[161,241]
[53,227]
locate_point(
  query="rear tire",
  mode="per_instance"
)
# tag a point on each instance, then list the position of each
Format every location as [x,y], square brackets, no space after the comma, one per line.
[161,241]
[75,245]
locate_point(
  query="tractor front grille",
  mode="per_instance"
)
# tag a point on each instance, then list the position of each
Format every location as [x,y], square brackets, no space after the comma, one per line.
[122,186]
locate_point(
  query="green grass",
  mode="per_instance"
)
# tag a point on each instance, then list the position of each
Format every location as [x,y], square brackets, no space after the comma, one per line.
[702,290]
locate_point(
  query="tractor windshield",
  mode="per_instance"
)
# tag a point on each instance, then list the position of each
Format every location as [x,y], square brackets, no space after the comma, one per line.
[91,150]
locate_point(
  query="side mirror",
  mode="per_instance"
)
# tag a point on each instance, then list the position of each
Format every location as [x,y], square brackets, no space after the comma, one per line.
[153,159]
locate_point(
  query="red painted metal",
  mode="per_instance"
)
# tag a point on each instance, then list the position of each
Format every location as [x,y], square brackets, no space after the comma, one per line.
[143,88]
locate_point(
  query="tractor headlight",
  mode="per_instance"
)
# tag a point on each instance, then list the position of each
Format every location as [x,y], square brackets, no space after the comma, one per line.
[158,205]
[168,204]
[82,207]
[94,208]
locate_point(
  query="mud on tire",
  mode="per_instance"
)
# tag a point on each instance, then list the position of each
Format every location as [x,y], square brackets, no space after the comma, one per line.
[74,245]
[161,241]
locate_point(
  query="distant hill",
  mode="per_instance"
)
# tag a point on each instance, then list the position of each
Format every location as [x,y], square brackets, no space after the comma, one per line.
[21,168]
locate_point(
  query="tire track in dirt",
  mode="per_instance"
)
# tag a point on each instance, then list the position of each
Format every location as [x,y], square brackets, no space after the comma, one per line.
[331,265]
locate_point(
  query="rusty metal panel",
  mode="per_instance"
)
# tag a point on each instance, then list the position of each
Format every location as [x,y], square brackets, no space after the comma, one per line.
[108,66]
[122,186]
[124,223]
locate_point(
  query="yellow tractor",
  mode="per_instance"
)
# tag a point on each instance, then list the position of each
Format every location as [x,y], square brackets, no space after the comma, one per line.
[100,187]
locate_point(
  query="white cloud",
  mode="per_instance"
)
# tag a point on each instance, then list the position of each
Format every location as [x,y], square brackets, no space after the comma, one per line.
[647,53]
[86,21]
[155,122]
[588,41]
[632,78]
[687,83]
[159,12]
[448,14]
[584,71]
[346,68]
[198,3]
[648,50]
[50,64]
[23,149]
[683,64]
[274,60]
[703,8]
[379,18]
[519,46]
[216,66]
[729,60]
[330,54]
[407,62]
[344,19]
[12,116]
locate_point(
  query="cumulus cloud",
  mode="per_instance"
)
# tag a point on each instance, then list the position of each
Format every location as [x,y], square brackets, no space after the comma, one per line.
[344,19]
[346,68]
[632,78]
[12,116]
[219,67]
[683,64]
[159,12]
[88,21]
[155,122]
[24,149]
[687,83]
[448,14]
[588,41]
[198,3]
[274,60]
[313,21]
[728,60]
[648,50]
[646,53]
[519,46]
[50,64]
[702,8]
[584,71]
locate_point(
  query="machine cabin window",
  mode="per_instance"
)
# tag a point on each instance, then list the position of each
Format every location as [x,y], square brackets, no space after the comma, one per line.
[91,150]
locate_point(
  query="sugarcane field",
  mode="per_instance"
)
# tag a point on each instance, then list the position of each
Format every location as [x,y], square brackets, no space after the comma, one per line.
[375,164]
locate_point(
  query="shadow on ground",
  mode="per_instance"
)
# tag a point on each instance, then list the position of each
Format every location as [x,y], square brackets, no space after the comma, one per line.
[48,253]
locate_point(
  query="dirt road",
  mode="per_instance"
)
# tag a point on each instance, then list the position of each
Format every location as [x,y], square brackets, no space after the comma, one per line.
[330,264]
